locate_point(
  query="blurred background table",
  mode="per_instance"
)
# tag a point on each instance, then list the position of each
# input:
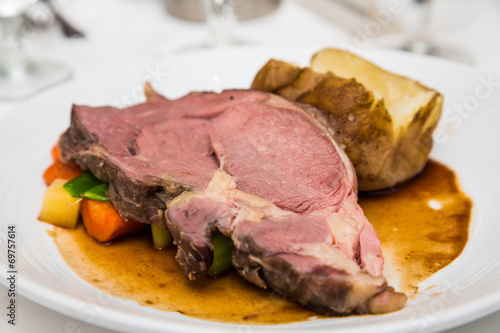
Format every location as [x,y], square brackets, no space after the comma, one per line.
[122,32]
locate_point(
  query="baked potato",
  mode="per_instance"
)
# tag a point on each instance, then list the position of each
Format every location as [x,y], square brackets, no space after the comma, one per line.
[383,121]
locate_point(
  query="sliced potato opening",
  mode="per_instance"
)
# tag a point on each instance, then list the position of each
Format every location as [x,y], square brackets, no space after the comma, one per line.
[403,97]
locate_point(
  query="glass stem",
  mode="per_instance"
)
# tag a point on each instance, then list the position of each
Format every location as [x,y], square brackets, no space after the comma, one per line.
[424,15]
[221,21]
[13,62]
[419,34]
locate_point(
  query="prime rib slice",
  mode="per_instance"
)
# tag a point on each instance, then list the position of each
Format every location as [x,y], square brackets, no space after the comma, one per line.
[263,171]
[149,153]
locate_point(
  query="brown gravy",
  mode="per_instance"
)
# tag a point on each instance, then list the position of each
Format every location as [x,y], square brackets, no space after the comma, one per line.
[417,240]
[423,226]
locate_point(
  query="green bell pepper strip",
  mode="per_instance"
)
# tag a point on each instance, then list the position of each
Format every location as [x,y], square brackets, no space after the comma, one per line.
[87,186]
[80,184]
[222,254]
[161,238]
[97,193]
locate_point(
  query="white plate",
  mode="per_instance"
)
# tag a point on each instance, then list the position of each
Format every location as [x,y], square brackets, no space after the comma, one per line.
[468,288]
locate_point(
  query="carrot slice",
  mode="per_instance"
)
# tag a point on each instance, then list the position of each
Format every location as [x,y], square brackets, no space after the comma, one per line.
[55,153]
[60,170]
[103,222]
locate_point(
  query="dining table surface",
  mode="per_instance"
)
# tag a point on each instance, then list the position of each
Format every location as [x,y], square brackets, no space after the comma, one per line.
[119,33]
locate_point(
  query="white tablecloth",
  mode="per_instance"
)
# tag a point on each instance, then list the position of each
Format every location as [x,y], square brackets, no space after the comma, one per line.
[121,32]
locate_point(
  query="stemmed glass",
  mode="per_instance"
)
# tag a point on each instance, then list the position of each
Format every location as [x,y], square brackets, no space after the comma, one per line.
[21,76]
[420,41]
[221,22]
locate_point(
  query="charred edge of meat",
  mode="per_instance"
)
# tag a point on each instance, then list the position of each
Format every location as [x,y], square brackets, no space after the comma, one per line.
[312,289]
[300,286]
[194,246]
[248,268]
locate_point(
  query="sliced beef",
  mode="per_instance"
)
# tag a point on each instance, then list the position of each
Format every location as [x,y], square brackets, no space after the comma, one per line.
[149,153]
[281,155]
[294,254]
[296,225]
[279,152]
[263,171]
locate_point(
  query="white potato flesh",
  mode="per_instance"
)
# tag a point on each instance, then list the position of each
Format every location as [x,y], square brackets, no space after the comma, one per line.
[59,207]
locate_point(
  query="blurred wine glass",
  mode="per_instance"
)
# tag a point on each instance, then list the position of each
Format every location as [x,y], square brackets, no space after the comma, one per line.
[419,33]
[21,76]
[221,22]
[421,42]
[221,17]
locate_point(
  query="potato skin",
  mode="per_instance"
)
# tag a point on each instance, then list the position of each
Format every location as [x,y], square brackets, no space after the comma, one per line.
[383,156]
[277,74]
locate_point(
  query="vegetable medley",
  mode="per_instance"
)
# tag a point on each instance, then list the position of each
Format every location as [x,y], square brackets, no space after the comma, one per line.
[73,193]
